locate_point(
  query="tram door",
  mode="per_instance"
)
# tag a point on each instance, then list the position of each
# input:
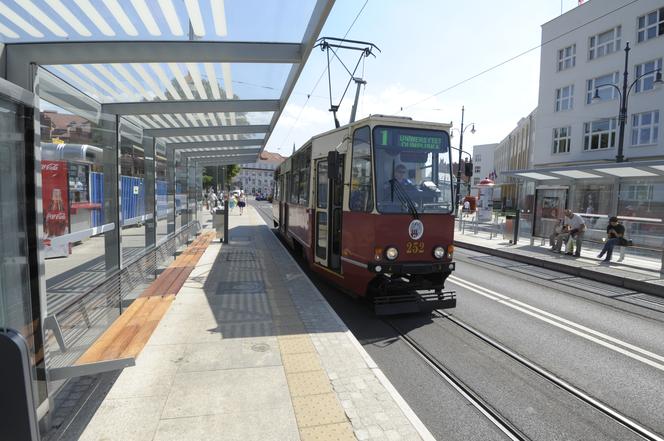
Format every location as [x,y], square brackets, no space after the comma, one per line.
[328,213]
[321,217]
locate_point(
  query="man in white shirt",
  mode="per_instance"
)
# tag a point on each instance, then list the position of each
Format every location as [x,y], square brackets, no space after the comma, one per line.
[576,228]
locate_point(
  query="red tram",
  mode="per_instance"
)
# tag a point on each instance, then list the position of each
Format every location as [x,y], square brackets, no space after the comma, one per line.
[370,206]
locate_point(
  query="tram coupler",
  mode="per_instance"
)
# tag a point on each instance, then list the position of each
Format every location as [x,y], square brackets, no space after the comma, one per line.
[414,302]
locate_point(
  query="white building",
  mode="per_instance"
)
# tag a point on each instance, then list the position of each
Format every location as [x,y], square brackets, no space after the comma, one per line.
[515,151]
[583,51]
[258,177]
[483,165]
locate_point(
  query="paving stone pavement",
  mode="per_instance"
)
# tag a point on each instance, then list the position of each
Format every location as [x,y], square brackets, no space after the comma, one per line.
[250,350]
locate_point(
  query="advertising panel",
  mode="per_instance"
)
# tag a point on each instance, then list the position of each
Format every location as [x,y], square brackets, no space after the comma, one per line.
[55,197]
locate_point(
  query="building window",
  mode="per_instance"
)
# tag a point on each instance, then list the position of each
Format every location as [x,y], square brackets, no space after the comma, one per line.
[476,181]
[478,169]
[604,92]
[565,98]
[651,25]
[604,43]
[645,128]
[648,70]
[599,134]
[477,158]
[567,57]
[562,139]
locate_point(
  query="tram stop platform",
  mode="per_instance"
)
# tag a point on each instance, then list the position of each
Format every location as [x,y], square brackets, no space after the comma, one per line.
[639,279]
[250,350]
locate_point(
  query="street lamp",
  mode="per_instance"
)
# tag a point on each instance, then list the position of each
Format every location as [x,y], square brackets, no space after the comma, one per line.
[624,94]
[472,130]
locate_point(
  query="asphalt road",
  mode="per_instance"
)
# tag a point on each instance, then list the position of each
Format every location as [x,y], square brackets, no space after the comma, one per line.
[581,332]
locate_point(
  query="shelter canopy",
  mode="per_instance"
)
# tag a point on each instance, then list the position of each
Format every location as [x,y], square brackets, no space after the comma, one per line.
[640,170]
[207,76]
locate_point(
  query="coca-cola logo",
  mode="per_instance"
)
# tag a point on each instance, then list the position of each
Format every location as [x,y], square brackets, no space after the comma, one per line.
[51,166]
[56,216]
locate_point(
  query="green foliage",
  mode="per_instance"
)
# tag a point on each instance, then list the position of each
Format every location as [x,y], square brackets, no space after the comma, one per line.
[207,181]
[232,171]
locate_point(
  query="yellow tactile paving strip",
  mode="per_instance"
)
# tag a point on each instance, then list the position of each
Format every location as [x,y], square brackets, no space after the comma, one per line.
[318,412]
[340,431]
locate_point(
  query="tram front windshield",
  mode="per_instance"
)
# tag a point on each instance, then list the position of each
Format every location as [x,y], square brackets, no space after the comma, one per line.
[413,170]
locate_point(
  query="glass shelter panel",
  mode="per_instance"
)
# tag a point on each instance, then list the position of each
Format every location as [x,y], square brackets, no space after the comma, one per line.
[132,192]
[19,294]
[549,206]
[180,192]
[593,201]
[161,192]
[641,210]
[79,203]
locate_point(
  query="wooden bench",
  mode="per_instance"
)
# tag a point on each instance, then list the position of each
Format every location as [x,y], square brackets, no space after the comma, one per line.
[121,343]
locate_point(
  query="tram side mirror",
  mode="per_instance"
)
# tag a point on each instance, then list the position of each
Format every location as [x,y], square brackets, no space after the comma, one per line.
[333,163]
[468,169]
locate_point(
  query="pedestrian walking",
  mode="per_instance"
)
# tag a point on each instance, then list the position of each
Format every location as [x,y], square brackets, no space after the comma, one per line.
[232,202]
[242,202]
[212,200]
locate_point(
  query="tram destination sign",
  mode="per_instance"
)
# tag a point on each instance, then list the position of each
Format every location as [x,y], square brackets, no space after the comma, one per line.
[411,139]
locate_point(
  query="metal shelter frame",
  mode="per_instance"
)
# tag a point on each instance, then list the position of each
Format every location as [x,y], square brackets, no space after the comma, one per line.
[161,116]
[134,68]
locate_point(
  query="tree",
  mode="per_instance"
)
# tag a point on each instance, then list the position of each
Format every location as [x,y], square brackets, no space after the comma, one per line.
[232,171]
[207,181]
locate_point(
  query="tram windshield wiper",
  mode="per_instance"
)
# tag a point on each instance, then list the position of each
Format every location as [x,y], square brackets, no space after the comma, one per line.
[403,197]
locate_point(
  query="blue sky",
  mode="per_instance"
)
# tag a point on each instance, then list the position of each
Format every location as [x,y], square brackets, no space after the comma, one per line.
[428,46]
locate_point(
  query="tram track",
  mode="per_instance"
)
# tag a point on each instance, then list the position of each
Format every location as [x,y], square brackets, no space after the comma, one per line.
[506,423]
[502,423]
[485,408]
[608,411]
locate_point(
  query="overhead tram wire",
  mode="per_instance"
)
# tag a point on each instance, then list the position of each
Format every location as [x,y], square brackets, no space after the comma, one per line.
[322,74]
[515,57]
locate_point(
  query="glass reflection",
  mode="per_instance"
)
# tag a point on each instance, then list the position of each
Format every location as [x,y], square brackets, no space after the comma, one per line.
[73,195]
[161,191]
[132,192]
[80,238]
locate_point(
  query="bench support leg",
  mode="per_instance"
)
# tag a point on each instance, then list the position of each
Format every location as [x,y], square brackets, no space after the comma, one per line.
[81,370]
[50,322]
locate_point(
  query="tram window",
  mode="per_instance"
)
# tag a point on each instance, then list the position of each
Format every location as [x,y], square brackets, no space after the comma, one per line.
[405,159]
[361,195]
[304,159]
[321,192]
[294,182]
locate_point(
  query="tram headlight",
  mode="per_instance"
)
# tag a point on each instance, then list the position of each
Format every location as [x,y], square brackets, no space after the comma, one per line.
[439,252]
[391,253]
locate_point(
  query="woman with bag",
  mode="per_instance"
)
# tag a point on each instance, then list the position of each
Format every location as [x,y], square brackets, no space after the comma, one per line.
[614,236]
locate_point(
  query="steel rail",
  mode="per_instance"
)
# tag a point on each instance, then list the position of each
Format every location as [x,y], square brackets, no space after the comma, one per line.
[578,393]
[502,423]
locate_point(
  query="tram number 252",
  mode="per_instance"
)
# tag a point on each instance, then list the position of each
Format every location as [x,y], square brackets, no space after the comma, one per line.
[414,247]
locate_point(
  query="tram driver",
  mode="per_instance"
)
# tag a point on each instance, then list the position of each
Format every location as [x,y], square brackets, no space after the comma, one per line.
[401,176]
